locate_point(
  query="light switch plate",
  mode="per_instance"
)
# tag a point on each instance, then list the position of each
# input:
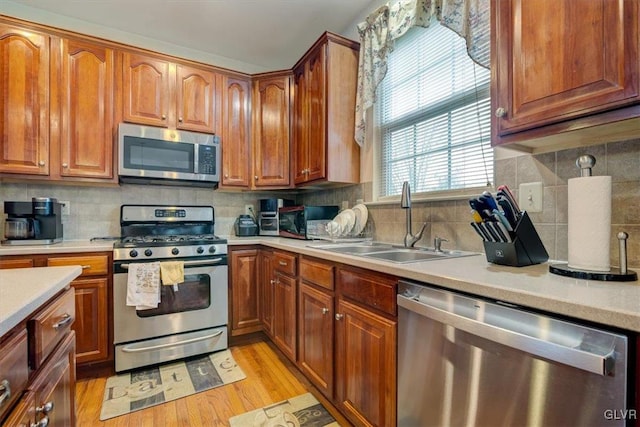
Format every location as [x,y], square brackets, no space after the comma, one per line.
[530,196]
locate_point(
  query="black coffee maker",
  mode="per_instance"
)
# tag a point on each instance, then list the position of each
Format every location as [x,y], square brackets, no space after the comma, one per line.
[38,222]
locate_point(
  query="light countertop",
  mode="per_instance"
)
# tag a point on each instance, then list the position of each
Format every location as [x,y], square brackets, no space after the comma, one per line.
[608,303]
[24,290]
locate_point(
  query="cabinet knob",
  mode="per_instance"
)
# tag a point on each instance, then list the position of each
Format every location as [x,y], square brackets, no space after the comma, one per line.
[41,163]
[46,408]
[44,422]
[339,316]
[325,310]
[65,165]
[273,282]
[180,119]
[226,175]
[500,112]
[255,177]
[5,389]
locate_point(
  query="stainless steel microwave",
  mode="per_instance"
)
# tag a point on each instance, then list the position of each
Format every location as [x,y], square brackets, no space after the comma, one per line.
[304,222]
[167,156]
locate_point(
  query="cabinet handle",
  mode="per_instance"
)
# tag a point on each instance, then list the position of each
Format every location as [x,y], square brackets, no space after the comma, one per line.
[325,310]
[500,112]
[255,177]
[282,263]
[46,408]
[41,163]
[44,422]
[66,318]
[339,316]
[180,119]
[85,267]
[164,117]
[6,391]
[273,282]
[65,165]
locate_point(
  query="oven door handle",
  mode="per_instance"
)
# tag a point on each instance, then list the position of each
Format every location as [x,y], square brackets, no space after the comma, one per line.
[128,349]
[186,263]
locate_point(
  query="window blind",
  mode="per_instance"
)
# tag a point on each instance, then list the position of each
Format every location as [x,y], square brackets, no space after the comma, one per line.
[434,115]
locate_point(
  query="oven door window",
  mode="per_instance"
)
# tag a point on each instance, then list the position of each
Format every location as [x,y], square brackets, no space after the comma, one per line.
[153,154]
[192,294]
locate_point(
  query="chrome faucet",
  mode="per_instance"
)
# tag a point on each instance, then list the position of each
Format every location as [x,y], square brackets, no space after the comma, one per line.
[405,203]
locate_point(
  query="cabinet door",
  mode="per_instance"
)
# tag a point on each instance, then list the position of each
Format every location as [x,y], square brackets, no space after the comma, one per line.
[562,59]
[266,283]
[271,138]
[86,90]
[316,161]
[24,102]
[245,314]
[315,337]
[235,133]
[55,384]
[92,339]
[300,125]
[147,90]
[284,316]
[365,365]
[195,99]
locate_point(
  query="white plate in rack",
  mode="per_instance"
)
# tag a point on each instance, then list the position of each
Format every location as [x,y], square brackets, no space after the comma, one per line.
[346,219]
[362,214]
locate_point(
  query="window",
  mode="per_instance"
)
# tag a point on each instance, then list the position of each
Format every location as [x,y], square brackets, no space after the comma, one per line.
[433,115]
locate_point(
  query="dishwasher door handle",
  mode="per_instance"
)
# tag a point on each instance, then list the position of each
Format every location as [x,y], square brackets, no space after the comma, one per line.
[591,362]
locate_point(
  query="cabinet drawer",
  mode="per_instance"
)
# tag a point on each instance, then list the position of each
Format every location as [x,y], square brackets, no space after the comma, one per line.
[14,370]
[374,290]
[284,262]
[16,263]
[49,326]
[92,265]
[317,272]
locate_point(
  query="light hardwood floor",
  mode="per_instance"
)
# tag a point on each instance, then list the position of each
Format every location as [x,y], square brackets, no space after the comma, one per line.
[270,378]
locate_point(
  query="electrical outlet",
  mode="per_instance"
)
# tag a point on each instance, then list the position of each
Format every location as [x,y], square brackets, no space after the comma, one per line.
[530,197]
[249,210]
[66,207]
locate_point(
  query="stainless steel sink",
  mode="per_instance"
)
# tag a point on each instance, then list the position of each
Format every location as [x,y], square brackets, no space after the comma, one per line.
[392,253]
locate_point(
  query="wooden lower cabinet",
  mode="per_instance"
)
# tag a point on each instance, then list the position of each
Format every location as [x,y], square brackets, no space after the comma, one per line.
[93,324]
[244,304]
[365,365]
[266,282]
[315,336]
[284,316]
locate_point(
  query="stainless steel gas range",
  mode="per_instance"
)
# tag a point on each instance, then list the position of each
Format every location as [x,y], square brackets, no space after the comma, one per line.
[191,316]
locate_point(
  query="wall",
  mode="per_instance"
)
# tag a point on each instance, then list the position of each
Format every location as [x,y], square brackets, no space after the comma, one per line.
[95,211]
[450,219]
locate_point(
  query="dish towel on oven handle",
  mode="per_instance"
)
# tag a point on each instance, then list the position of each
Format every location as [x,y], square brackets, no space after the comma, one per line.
[143,285]
[172,273]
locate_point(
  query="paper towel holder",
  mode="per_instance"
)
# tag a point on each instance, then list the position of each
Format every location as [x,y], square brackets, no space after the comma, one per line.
[615,274]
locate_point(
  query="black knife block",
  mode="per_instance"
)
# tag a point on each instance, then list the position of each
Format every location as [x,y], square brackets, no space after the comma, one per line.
[525,249]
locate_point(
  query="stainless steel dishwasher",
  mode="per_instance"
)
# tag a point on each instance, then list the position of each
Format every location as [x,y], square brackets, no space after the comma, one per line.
[465,361]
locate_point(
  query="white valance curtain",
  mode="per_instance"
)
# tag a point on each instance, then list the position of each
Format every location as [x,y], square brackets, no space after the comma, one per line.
[470,19]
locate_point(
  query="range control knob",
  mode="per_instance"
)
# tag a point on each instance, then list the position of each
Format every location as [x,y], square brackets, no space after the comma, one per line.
[133,253]
[212,249]
[175,251]
[200,249]
[148,252]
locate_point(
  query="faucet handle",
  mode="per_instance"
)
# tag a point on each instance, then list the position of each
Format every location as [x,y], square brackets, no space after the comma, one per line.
[437,243]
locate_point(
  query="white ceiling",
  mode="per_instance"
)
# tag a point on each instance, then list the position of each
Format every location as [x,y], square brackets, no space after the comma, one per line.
[244,35]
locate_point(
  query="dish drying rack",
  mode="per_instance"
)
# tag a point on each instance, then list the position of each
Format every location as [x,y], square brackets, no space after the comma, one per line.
[320,233]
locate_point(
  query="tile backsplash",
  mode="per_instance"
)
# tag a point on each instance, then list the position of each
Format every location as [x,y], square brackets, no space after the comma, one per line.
[450,219]
[95,210]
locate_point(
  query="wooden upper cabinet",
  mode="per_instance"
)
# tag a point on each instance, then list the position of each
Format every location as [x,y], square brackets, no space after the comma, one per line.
[271,114]
[325,82]
[236,98]
[196,99]
[24,101]
[86,90]
[562,62]
[147,88]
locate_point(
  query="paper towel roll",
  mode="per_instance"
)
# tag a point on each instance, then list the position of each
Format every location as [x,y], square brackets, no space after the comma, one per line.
[589,205]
